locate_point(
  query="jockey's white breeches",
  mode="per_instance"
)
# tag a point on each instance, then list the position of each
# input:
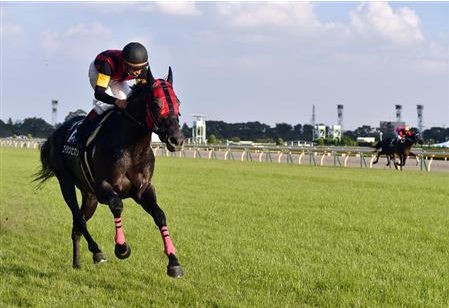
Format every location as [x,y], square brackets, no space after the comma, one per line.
[117,89]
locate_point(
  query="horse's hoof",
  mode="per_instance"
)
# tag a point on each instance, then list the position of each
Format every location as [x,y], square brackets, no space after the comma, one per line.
[99,257]
[122,251]
[76,265]
[175,271]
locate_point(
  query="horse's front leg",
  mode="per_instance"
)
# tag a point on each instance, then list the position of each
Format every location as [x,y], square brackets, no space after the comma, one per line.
[377,158]
[398,165]
[107,194]
[403,160]
[149,203]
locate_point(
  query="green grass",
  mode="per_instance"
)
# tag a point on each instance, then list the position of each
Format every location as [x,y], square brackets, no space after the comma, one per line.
[248,234]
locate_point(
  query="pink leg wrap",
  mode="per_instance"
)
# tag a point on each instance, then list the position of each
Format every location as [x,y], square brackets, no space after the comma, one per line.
[169,248]
[119,234]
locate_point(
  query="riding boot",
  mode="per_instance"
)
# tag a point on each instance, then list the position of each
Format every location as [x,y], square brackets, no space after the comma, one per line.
[86,128]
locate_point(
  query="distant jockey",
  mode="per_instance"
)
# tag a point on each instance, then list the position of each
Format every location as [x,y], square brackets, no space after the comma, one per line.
[402,132]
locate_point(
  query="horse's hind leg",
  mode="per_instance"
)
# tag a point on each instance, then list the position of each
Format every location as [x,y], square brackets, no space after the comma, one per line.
[88,207]
[149,203]
[79,223]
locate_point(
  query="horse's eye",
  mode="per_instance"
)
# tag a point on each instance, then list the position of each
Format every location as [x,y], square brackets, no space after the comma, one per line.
[159,103]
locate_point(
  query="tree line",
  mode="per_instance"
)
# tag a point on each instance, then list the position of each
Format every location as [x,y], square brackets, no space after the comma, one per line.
[258,132]
[220,131]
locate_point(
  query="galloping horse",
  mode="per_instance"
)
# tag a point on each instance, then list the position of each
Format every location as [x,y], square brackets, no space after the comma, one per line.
[391,147]
[117,163]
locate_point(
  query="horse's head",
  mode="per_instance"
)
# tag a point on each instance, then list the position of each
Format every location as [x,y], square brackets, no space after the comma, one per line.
[418,138]
[162,112]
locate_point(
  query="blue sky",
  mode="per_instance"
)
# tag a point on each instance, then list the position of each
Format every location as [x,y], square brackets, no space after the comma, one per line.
[240,61]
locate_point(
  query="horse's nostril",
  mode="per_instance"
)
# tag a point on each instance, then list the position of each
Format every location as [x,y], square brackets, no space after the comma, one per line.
[173,140]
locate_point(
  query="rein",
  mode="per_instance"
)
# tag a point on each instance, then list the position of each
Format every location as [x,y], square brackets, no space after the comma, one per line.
[138,123]
[133,119]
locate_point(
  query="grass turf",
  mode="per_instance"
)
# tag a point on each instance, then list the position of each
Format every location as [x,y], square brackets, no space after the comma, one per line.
[247,234]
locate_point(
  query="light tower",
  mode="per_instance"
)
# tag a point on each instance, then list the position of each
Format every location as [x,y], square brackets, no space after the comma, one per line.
[199,129]
[340,115]
[336,131]
[54,112]
[313,122]
[419,109]
[398,112]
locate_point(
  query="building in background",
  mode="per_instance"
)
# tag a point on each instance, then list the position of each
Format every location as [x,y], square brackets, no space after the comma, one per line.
[199,129]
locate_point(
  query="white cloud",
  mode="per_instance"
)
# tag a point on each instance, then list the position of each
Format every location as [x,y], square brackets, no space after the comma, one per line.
[87,32]
[251,15]
[169,8]
[178,8]
[379,20]
[78,40]
[49,41]
[11,33]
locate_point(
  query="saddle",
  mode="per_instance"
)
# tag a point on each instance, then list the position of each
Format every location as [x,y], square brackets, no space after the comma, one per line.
[83,153]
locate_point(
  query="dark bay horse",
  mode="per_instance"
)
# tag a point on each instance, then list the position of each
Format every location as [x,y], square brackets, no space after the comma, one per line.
[392,147]
[117,163]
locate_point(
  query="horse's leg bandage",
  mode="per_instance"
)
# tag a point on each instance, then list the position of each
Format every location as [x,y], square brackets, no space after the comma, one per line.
[119,234]
[169,248]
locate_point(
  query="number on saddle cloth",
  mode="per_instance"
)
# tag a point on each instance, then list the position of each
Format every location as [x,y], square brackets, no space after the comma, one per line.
[73,135]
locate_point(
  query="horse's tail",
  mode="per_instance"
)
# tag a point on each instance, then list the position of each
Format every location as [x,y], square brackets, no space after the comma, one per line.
[46,171]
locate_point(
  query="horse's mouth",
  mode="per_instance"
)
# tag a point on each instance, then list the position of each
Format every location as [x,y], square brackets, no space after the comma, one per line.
[173,145]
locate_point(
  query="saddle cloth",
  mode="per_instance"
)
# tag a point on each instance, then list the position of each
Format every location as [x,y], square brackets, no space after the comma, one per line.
[70,148]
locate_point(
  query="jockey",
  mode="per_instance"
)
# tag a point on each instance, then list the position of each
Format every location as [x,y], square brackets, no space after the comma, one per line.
[403,131]
[109,74]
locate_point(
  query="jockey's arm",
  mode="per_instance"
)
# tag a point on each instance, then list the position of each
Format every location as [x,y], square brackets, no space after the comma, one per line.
[104,76]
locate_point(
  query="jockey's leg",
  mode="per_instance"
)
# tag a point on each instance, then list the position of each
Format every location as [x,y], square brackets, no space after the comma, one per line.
[91,121]
[149,204]
[87,126]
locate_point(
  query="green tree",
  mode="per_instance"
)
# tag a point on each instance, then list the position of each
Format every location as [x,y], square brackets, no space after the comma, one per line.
[348,141]
[186,130]
[279,141]
[307,134]
[5,129]
[36,127]
[212,139]
[284,131]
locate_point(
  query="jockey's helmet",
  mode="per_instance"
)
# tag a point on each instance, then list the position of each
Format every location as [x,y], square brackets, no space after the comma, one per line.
[135,55]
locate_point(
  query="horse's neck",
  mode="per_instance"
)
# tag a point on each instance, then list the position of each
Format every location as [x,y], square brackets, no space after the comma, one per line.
[409,141]
[133,132]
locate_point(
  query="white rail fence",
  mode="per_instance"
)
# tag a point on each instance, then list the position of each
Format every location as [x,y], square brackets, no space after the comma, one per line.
[362,157]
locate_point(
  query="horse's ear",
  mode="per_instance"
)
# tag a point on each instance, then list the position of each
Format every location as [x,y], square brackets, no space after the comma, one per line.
[170,76]
[150,78]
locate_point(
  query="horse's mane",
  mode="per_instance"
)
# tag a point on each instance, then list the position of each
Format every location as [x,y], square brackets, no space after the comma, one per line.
[137,89]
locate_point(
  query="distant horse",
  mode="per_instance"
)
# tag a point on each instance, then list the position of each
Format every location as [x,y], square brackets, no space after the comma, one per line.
[392,147]
[117,163]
